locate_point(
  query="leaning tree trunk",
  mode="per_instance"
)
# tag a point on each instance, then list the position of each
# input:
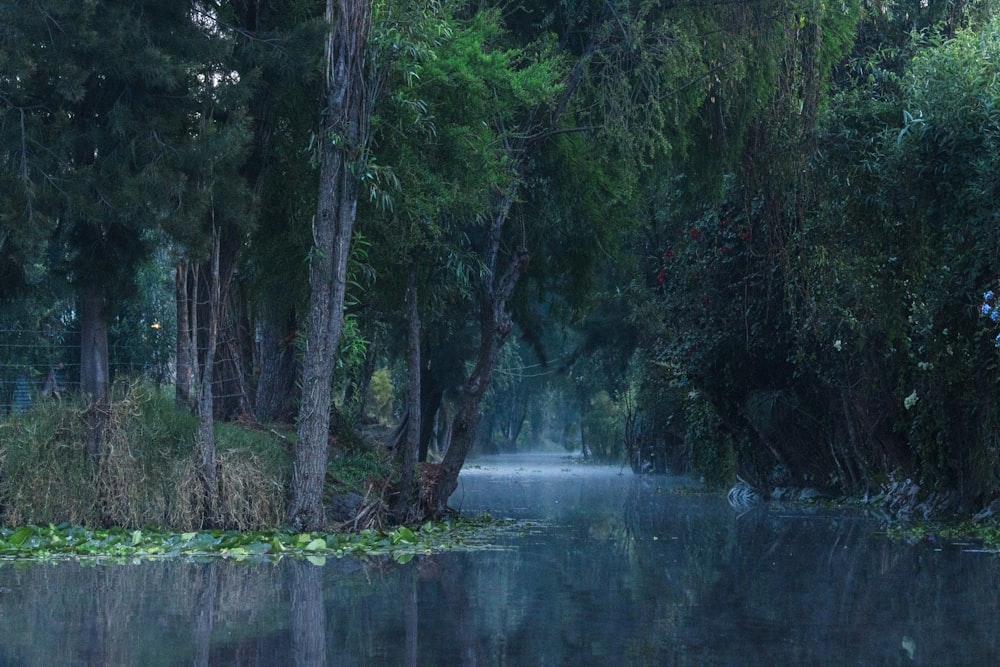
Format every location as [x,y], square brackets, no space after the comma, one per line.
[342,143]
[94,367]
[495,326]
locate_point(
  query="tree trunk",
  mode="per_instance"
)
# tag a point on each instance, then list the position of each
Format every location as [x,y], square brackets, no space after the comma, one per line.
[445,427]
[495,326]
[431,403]
[184,379]
[516,415]
[342,142]
[232,347]
[277,370]
[206,416]
[94,369]
[411,444]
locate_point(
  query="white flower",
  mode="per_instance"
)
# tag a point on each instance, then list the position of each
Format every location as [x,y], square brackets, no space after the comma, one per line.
[911,400]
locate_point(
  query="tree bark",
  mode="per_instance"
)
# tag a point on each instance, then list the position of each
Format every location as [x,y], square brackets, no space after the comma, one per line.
[342,144]
[94,368]
[277,370]
[432,396]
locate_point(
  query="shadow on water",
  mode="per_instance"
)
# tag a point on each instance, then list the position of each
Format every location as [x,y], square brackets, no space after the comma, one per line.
[615,569]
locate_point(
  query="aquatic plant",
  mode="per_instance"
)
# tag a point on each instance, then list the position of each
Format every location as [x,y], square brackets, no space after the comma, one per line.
[67,542]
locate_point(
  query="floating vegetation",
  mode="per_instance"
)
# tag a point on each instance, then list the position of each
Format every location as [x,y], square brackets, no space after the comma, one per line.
[970,536]
[67,542]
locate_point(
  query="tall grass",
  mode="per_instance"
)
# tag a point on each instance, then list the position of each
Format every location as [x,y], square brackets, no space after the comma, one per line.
[146,475]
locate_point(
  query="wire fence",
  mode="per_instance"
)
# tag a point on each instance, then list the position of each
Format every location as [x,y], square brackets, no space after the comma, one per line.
[40,365]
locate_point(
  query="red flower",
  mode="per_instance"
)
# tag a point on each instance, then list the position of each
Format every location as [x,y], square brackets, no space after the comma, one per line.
[669,253]
[661,276]
[694,233]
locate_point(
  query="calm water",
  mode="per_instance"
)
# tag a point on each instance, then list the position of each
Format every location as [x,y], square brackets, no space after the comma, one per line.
[614,570]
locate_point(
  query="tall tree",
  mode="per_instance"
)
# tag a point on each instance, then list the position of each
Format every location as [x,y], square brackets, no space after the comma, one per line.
[342,147]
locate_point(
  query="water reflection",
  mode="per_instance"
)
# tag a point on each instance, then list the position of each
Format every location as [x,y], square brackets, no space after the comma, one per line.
[619,569]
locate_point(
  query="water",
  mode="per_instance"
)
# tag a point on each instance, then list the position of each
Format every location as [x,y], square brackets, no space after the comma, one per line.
[612,569]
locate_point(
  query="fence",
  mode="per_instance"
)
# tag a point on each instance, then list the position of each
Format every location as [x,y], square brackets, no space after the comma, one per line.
[37,364]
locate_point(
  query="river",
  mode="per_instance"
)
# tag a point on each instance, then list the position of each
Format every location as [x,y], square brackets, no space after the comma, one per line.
[606,569]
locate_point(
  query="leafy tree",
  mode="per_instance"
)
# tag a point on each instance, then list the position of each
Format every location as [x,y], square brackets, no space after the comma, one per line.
[112,102]
[822,315]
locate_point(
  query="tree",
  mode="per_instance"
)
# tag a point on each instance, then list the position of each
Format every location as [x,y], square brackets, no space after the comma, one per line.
[342,149]
[617,75]
[109,101]
[822,327]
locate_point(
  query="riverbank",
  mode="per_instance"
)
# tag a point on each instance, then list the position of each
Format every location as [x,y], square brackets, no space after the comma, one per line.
[147,475]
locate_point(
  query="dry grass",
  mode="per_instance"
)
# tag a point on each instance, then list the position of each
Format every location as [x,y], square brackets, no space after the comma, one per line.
[249,497]
[146,476]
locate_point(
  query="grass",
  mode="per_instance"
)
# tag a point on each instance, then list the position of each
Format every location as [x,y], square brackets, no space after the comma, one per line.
[147,475]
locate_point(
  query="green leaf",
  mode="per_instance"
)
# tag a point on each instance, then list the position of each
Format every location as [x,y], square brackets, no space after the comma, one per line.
[316,545]
[403,534]
[19,536]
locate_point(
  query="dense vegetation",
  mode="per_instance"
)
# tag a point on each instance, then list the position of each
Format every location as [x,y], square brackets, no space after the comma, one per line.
[741,239]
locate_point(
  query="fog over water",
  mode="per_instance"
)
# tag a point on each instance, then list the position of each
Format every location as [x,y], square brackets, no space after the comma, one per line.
[606,568]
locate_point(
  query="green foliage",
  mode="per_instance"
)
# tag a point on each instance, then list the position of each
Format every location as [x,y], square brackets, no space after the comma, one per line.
[51,542]
[383,394]
[115,135]
[830,320]
[710,447]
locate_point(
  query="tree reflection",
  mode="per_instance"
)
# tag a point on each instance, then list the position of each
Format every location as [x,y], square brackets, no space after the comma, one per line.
[308,614]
